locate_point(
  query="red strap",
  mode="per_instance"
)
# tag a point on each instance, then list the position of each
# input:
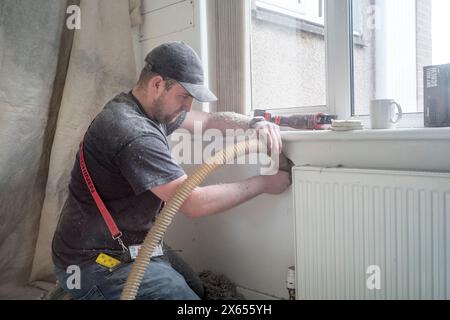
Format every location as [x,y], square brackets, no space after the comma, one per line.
[115,232]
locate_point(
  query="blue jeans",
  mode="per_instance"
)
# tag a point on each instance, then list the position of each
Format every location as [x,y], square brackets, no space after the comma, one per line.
[160,282]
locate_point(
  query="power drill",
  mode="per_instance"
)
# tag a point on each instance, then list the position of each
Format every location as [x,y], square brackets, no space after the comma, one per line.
[313,121]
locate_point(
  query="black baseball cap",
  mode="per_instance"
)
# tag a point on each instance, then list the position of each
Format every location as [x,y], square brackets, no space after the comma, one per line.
[178,61]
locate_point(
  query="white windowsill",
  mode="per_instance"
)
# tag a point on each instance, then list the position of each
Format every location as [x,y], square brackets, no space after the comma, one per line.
[368,135]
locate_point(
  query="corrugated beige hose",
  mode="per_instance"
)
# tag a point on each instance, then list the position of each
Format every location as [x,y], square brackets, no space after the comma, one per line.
[172,206]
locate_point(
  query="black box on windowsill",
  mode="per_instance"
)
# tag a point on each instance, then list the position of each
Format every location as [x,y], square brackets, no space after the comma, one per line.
[437,95]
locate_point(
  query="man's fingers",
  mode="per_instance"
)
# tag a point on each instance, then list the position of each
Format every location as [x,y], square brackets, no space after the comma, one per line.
[272,137]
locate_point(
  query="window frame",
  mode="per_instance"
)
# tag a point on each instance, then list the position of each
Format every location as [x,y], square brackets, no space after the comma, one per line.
[339,43]
[271,5]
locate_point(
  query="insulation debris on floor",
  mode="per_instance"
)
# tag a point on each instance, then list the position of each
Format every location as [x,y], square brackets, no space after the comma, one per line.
[218,287]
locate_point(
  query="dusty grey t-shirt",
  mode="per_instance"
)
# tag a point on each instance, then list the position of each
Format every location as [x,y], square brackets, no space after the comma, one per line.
[126,154]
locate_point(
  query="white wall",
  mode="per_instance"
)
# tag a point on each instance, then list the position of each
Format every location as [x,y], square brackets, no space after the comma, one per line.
[174,20]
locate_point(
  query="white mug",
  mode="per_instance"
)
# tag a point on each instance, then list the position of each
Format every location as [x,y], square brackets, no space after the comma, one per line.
[382,114]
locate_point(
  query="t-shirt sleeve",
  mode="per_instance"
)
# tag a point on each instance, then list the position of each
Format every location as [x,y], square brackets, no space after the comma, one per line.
[171,127]
[146,163]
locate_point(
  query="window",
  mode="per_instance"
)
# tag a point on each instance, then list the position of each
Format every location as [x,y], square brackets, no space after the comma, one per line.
[399,38]
[288,65]
[293,68]
[309,10]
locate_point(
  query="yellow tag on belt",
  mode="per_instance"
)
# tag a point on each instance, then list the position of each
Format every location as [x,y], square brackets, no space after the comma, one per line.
[107,261]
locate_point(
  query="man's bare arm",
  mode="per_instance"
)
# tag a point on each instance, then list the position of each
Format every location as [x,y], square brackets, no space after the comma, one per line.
[231,120]
[209,200]
[219,120]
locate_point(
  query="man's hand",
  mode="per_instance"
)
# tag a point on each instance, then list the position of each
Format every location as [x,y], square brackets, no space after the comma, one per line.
[277,183]
[271,131]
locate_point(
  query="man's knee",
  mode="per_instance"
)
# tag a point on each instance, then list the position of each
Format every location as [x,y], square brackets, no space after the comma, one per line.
[168,285]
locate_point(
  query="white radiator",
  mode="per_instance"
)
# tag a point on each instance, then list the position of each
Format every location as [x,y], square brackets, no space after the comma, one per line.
[394,224]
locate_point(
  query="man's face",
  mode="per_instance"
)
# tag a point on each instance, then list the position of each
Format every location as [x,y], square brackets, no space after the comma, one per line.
[170,103]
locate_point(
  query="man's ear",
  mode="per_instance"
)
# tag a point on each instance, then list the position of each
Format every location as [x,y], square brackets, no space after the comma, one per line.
[156,84]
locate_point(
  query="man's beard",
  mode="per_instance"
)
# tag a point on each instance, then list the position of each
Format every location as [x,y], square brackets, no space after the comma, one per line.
[159,115]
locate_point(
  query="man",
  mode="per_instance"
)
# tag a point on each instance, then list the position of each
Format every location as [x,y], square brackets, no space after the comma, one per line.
[126,154]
